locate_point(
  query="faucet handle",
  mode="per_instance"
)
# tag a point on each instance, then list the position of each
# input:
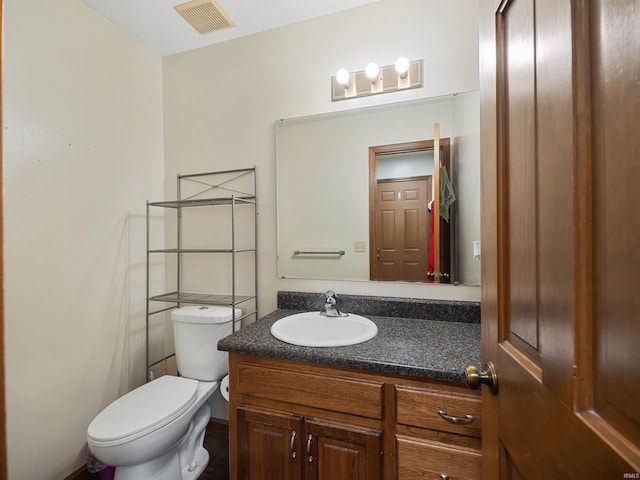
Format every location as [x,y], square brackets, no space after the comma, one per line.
[330,296]
[331,306]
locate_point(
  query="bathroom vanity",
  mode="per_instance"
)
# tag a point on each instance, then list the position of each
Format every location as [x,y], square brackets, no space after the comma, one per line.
[393,407]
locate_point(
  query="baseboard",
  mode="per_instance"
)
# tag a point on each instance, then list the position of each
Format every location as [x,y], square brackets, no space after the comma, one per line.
[81,474]
[216,425]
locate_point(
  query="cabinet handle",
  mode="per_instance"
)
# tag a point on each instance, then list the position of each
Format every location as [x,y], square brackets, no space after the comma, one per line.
[292,448]
[309,456]
[449,418]
[444,476]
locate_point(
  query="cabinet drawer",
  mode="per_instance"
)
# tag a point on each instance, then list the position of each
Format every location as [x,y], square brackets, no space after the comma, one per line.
[419,408]
[423,460]
[329,392]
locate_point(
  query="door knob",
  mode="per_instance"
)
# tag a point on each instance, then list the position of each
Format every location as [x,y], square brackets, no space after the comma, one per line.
[473,378]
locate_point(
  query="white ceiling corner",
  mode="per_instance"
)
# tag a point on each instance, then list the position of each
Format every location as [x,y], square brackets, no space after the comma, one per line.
[157,25]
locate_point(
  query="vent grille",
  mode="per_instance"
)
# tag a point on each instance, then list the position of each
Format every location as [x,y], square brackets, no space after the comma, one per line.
[205,16]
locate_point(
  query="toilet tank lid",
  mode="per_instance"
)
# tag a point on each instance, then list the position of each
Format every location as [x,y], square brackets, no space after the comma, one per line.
[148,407]
[204,314]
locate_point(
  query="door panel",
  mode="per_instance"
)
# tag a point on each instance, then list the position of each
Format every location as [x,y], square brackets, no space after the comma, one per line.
[617,221]
[403,229]
[520,112]
[543,438]
[559,172]
[342,452]
[272,449]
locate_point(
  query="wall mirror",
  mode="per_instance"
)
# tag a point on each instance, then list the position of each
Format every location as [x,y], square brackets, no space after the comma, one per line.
[324,184]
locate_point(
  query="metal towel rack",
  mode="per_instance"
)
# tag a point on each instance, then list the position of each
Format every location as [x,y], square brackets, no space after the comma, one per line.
[301,252]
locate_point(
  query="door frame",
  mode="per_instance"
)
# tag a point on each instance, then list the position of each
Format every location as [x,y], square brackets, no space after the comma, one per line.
[489,235]
[3,407]
[406,147]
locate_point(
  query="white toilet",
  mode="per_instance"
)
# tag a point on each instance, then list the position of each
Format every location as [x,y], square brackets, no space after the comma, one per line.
[157,430]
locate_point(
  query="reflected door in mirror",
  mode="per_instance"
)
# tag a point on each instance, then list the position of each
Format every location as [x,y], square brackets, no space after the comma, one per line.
[402,229]
[408,244]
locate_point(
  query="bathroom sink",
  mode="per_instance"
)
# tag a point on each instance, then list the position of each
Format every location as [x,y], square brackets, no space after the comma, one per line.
[310,329]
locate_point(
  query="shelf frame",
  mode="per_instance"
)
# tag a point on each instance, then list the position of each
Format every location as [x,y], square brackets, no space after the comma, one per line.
[208,196]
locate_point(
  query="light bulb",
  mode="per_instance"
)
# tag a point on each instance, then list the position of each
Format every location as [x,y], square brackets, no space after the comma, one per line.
[342,77]
[402,67]
[371,71]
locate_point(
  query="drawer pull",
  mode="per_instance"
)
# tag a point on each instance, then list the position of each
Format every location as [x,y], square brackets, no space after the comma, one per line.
[449,418]
[444,476]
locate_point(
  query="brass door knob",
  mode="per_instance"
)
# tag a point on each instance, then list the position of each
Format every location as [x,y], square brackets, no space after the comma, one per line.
[474,378]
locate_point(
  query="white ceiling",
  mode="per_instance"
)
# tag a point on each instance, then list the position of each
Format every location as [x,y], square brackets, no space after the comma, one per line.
[157,25]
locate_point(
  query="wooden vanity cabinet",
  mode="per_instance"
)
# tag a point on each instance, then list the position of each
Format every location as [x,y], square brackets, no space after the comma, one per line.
[275,445]
[299,421]
[437,432]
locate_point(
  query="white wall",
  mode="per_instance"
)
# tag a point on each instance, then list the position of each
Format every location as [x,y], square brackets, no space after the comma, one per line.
[82,153]
[221,102]
[466,115]
[399,165]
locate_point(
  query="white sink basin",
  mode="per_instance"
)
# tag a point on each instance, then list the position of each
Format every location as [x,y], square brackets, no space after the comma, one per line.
[310,329]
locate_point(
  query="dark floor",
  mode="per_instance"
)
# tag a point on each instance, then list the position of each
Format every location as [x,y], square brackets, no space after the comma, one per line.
[216,441]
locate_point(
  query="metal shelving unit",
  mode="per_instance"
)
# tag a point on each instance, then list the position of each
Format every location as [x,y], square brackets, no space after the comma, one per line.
[231,190]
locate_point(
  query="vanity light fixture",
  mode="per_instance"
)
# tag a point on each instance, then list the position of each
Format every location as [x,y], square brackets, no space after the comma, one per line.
[404,74]
[372,70]
[347,81]
[342,77]
[402,67]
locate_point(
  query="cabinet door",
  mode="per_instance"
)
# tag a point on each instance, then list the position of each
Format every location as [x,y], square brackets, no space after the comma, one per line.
[269,445]
[341,452]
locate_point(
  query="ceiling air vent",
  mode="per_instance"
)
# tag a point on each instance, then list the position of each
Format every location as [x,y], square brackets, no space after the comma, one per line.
[205,16]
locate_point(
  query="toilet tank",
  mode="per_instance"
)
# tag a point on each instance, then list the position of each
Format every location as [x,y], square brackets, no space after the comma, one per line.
[196,331]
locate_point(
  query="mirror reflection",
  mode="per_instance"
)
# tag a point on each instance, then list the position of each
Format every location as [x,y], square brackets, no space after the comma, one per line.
[407,193]
[333,168]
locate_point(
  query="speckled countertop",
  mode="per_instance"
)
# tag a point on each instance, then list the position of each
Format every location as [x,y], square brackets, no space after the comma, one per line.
[419,347]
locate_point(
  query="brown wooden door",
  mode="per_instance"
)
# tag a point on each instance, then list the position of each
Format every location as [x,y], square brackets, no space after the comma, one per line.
[341,452]
[402,229]
[271,446]
[560,105]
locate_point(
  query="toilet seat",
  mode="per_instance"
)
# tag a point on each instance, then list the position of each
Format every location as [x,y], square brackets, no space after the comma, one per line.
[143,410]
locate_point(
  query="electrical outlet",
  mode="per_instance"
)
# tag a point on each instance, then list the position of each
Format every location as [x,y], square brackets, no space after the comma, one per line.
[359,246]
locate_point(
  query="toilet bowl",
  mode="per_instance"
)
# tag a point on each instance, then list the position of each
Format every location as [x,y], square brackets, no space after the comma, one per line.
[144,432]
[157,430]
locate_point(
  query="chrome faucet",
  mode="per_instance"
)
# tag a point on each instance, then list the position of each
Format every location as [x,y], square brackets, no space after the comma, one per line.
[331,306]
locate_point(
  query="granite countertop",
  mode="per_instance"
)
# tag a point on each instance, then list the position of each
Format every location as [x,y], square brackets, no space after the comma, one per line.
[430,349]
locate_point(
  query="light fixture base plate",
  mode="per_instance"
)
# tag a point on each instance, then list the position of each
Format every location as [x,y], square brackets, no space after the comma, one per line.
[390,81]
